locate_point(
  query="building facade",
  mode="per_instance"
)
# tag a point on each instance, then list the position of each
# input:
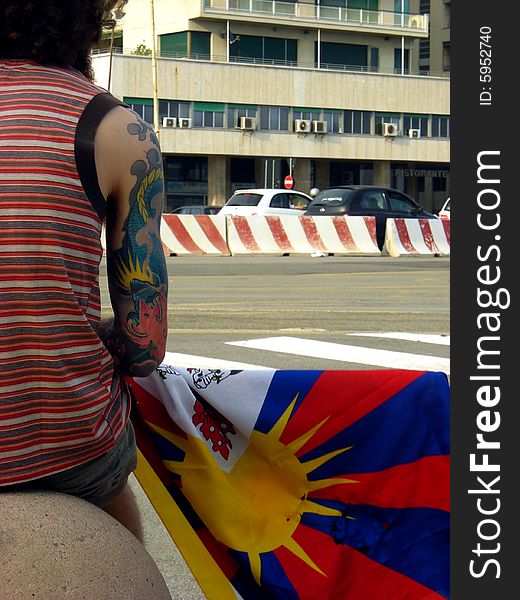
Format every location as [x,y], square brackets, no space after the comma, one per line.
[248,91]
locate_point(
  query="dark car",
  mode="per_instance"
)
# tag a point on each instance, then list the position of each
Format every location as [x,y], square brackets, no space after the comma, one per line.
[367,201]
[196,209]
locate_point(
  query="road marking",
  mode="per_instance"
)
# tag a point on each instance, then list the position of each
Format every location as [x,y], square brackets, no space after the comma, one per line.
[425,338]
[176,359]
[345,353]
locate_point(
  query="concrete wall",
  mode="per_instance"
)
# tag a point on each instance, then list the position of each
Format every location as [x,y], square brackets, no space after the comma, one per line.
[191,80]
[228,142]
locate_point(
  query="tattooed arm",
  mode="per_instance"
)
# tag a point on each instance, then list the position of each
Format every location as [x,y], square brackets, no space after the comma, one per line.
[129,165]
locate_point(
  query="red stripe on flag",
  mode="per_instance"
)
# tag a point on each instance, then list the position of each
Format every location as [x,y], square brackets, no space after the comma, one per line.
[348,573]
[245,234]
[343,230]
[404,238]
[280,237]
[362,395]
[311,232]
[212,233]
[421,484]
[220,553]
[181,233]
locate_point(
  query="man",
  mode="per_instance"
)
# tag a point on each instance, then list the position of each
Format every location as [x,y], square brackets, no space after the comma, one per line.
[72,158]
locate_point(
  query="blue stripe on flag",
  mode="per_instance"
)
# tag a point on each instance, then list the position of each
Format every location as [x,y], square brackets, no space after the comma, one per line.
[282,391]
[412,541]
[405,428]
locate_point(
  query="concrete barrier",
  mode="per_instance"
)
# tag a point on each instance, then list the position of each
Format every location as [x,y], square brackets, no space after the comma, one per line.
[194,234]
[60,547]
[417,237]
[289,234]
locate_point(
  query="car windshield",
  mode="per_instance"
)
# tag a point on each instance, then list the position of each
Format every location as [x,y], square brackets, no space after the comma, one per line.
[332,197]
[244,200]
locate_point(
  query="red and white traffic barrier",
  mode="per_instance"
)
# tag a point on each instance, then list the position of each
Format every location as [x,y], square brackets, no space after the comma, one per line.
[417,236]
[194,234]
[288,234]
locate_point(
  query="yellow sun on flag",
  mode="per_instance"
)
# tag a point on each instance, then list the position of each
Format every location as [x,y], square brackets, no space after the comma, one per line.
[256,507]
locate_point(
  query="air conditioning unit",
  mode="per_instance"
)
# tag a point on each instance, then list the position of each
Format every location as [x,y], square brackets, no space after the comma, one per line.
[169,122]
[302,125]
[389,129]
[184,122]
[247,123]
[319,126]
[414,133]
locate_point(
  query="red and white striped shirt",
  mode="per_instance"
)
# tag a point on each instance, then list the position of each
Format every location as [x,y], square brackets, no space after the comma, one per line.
[60,399]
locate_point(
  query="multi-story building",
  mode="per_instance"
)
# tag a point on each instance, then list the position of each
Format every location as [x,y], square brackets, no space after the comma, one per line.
[249,91]
[434,51]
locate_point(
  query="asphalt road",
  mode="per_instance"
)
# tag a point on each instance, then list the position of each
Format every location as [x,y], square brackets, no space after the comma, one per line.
[309,313]
[215,301]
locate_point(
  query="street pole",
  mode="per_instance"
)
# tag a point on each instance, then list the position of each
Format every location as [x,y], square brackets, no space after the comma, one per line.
[154,74]
[111,57]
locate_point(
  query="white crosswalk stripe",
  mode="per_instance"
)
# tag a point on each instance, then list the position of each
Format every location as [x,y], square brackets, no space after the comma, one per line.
[351,354]
[354,355]
[206,362]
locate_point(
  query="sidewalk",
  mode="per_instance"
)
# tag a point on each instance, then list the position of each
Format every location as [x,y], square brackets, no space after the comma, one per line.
[160,546]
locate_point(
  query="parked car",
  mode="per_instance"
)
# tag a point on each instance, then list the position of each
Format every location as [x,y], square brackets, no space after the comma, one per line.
[196,209]
[444,212]
[367,201]
[266,202]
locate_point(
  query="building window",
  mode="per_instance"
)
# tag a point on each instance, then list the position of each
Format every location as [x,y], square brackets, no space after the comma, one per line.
[439,184]
[306,114]
[446,56]
[263,50]
[415,122]
[173,108]
[208,114]
[357,121]
[440,126]
[274,118]
[334,120]
[381,118]
[236,111]
[106,41]
[398,57]
[142,106]
[374,59]
[186,44]
[401,10]
[424,49]
[353,57]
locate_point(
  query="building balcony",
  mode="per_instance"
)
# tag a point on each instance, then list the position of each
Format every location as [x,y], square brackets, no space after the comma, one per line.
[313,15]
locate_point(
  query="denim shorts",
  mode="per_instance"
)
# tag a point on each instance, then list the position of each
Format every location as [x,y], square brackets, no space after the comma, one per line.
[99,481]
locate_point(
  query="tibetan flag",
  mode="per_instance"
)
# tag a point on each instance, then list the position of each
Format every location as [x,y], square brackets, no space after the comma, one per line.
[301,485]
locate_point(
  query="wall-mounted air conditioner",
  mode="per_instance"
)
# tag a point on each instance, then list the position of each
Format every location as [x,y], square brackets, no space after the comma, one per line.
[184,122]
[389,129]
[319,126]
[169,122]
[302,125]
[247,123]
[414,133]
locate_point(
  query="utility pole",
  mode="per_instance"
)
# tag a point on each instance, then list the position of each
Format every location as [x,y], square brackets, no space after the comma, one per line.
[154,74]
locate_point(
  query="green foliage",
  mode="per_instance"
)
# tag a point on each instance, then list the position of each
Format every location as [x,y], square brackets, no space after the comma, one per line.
[142,50]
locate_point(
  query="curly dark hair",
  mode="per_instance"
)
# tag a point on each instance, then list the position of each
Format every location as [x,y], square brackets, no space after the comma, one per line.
[53,32]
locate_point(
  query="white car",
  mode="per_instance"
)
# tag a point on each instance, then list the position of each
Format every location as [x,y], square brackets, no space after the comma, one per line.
[444,212]
[266,202]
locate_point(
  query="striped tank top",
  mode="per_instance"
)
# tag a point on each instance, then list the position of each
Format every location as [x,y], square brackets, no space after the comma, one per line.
[61,402]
